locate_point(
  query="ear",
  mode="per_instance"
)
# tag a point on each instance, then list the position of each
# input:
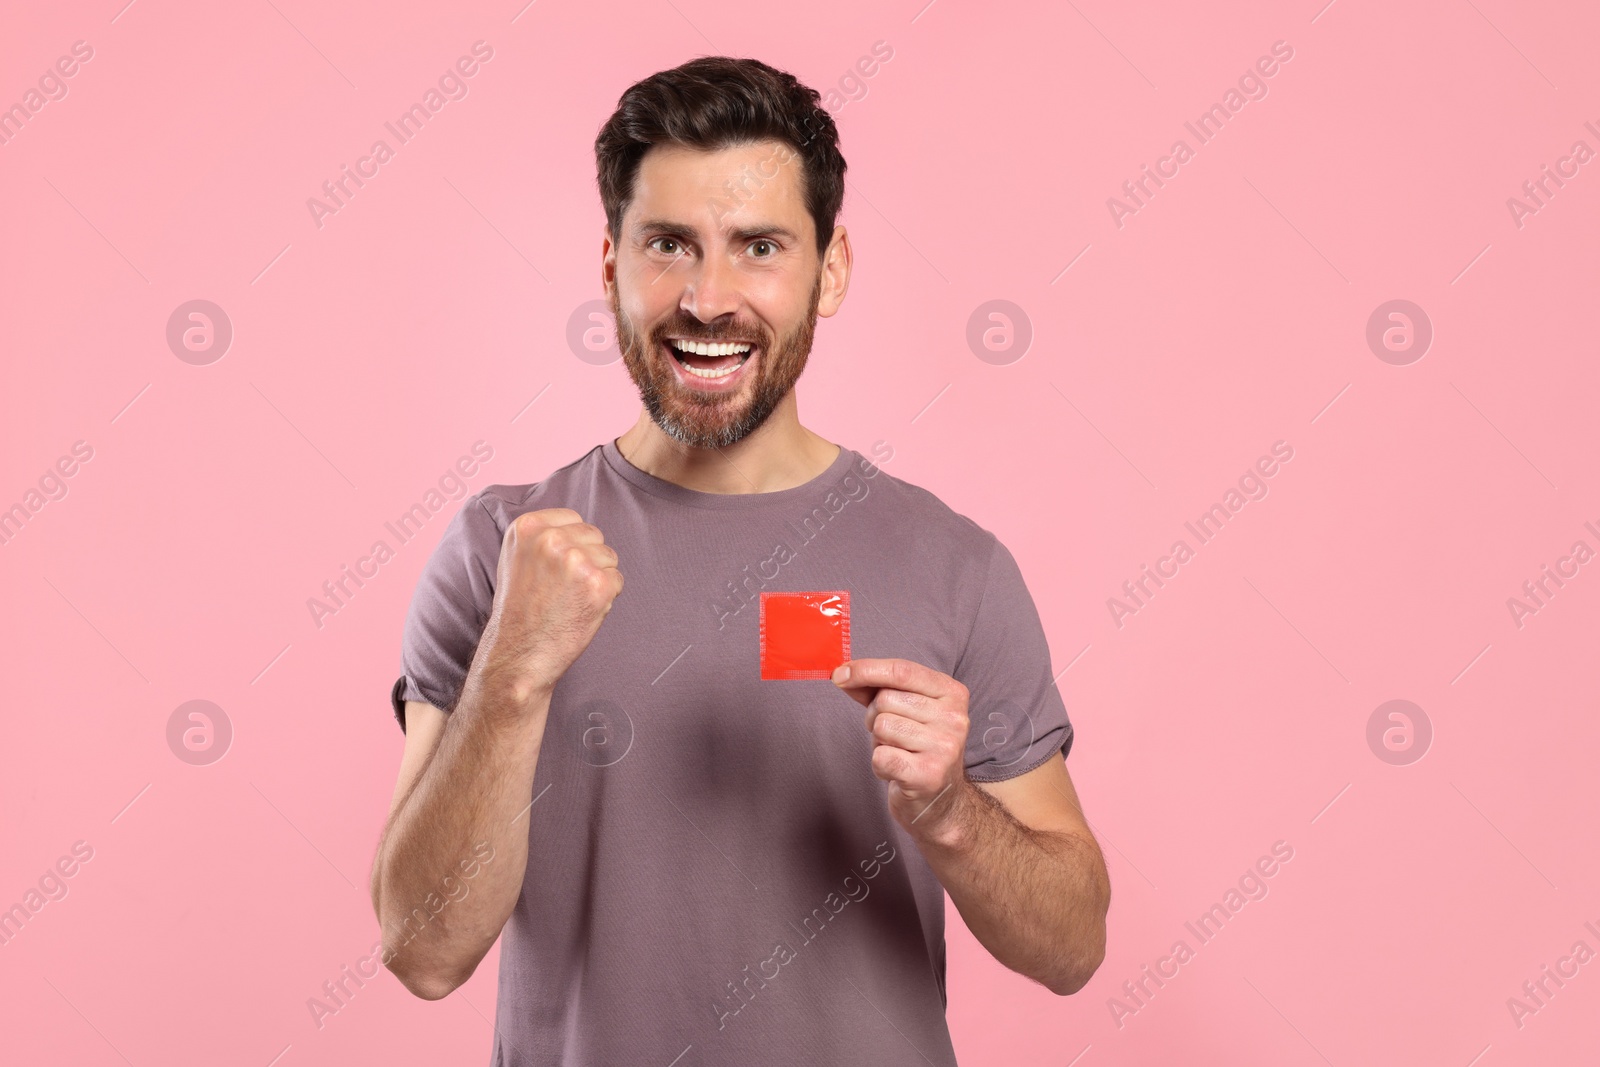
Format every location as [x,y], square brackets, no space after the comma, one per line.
[608,260]
[837,260]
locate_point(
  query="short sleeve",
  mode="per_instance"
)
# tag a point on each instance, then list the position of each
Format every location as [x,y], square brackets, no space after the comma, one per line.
[448,611]
[1017,717]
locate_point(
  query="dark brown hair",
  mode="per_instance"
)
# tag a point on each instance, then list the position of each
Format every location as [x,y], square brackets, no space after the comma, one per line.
[717,102]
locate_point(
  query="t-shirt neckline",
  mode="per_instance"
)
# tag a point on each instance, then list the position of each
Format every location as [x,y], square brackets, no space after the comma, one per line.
[727,501]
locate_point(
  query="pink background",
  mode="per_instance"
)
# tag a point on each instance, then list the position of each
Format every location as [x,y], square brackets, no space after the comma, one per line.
[1227,314]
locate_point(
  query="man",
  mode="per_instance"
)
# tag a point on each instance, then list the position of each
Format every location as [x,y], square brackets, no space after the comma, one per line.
[699,849]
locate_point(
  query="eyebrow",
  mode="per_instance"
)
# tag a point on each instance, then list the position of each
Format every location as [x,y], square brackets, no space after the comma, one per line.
[655,227]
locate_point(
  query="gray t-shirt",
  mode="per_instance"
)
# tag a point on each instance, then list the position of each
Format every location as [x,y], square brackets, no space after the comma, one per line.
[713,874]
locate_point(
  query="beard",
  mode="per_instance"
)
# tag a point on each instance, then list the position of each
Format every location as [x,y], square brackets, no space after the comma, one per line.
[713,420]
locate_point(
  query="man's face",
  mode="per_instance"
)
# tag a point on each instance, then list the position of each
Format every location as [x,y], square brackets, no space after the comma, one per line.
[716,247]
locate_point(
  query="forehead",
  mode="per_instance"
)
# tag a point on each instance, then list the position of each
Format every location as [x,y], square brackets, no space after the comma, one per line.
[710,191]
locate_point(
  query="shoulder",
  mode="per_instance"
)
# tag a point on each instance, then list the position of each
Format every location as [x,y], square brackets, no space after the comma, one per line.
[494,506]
[937,527]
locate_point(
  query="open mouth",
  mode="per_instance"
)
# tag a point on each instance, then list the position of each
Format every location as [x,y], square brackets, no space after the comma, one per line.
[717,363]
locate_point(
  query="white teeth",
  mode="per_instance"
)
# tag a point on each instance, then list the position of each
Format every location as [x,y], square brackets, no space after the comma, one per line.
[701,348]
[698,373]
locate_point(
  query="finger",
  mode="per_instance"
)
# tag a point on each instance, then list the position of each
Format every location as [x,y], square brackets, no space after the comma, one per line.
[599,555]
[557,516]
[864,697]
[580,533]
[891,764]
[896,674]
[912,706]
[897,731]
[531,525]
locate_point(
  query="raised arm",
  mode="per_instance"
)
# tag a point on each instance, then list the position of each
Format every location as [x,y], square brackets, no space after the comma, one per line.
[450,863]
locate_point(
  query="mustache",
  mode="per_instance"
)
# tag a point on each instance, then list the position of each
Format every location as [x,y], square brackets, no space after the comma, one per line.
[693,333]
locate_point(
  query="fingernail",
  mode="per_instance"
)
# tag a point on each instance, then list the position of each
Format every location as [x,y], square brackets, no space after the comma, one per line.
[841,674]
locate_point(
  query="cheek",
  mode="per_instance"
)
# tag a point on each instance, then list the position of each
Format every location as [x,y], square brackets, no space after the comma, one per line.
[642,313]
[647,283]
[778,310]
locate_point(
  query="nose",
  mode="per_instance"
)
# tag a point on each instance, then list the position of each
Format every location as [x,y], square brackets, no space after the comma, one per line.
[712,291]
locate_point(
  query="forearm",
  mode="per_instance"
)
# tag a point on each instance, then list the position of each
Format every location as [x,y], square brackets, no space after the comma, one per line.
[470,801]
[1037,900]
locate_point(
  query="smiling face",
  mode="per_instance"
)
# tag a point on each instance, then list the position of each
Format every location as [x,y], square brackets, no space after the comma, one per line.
[717,249]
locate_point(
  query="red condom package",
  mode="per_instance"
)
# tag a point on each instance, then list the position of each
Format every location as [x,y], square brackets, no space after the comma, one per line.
[804,635]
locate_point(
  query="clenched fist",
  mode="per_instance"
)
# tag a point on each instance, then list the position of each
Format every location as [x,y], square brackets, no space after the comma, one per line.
[555,583]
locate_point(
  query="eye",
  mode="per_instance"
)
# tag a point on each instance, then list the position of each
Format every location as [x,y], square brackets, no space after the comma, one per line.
[763,241]
[665,251]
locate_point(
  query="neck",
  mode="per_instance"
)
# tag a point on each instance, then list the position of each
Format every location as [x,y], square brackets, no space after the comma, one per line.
[779,454]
